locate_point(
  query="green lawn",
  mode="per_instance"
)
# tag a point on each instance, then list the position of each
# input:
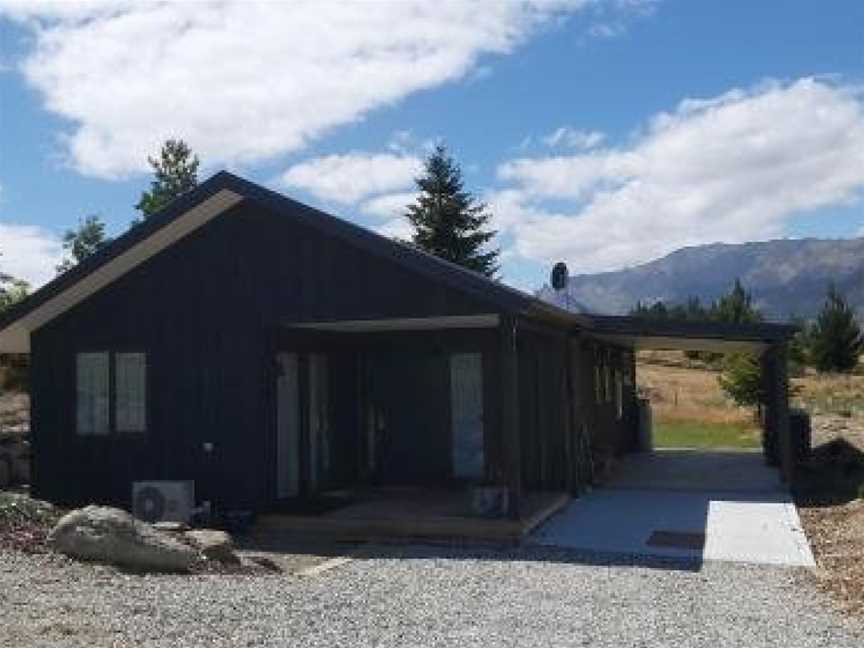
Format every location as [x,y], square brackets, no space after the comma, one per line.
[695,434]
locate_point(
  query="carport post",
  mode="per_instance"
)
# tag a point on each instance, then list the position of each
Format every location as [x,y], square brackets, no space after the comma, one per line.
[776,418]
[511,454]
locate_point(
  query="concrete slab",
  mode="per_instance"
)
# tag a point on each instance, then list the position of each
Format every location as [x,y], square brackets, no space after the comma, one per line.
[697,470]
[732,498]
[759,529]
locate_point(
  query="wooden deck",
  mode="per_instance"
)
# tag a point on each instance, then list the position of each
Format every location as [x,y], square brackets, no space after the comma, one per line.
[416,514]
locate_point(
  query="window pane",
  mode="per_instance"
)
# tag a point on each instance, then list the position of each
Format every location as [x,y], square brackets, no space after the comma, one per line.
[130,388]
[92,393]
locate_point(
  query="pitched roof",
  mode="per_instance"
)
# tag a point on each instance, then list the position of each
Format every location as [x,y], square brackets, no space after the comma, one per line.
[224,190]
[209,199]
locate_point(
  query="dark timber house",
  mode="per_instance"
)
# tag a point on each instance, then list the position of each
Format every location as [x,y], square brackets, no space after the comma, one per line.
[273,353]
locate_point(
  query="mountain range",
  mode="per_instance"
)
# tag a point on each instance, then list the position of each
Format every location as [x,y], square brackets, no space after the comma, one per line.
[787,277]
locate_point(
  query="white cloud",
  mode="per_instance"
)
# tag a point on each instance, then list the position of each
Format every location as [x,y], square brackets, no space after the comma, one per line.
[607,30]
[245,81]
[732,168]
[352,177]
[28,252]
[573,138]
[389,206]
[396,228]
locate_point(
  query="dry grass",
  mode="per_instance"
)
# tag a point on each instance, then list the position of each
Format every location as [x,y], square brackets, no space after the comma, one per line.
[841,394]
[681,393]
[682,389]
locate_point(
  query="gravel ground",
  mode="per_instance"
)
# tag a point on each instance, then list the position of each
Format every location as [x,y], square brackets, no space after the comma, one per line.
[422,596]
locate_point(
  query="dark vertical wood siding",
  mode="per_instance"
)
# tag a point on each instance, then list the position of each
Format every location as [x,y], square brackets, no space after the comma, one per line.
[205,311]
[543,408]
[608,432]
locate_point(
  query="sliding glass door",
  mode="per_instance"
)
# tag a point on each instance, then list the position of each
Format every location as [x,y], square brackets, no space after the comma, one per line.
[303,425]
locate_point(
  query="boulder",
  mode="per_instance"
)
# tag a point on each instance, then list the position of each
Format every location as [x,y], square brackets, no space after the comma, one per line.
[171,527]
[109,535]
[213,545]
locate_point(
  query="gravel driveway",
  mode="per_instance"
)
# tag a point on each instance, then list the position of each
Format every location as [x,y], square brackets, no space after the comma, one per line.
[422,596]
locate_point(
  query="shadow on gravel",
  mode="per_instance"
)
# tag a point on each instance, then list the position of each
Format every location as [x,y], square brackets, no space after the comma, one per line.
[424,549]
[530,554]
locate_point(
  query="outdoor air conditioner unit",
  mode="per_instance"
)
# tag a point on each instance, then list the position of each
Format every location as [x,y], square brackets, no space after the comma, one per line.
[163,501]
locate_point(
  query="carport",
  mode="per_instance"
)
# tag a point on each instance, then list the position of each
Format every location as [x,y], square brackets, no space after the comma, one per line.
[768,341]
[690,504]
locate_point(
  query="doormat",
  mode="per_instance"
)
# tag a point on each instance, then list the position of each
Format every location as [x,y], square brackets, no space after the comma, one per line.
[677,539]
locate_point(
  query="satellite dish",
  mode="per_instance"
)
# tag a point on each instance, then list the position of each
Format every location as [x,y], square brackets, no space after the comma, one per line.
[560,276]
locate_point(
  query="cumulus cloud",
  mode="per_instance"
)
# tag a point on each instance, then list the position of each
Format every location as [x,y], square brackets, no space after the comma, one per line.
[352,177]
[245,81]
[730,168]
[573,138]
[28,252]
[390,206]
[396,228]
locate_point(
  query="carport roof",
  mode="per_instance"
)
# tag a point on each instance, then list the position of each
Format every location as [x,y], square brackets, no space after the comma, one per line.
[641,333]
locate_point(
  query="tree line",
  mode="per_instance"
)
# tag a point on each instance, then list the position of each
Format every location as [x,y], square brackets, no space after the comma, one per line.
[832,342]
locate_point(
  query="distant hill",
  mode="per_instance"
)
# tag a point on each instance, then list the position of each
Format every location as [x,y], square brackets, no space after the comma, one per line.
[786,277]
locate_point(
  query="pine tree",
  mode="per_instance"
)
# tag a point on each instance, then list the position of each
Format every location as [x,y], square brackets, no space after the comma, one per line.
[176,172]
[448,221]
[741,378]
[736,306]
[82,242]
[798,354]
[836,339]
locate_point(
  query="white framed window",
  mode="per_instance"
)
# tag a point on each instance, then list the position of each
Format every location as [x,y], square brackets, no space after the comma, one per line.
[130,392]
[92,371]
[619,394]
[109,384]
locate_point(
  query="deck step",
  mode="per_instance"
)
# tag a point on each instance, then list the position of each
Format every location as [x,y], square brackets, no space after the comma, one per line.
[344,525]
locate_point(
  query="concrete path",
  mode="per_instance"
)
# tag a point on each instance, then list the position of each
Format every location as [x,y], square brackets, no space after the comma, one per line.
[685,504]
[697,470]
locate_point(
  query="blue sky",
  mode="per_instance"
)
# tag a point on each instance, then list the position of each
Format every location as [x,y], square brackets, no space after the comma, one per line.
[601,133]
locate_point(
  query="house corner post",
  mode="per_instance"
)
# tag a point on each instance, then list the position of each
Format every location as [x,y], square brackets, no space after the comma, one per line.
[509,403]
[778,444]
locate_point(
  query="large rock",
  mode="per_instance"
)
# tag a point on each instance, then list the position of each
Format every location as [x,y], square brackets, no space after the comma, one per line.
[109,535]
[213,545]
